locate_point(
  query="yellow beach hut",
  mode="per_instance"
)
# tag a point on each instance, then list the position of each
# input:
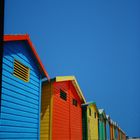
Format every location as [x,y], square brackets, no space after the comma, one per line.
[90,121]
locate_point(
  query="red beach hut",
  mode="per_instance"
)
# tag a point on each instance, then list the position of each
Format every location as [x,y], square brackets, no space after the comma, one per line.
[61,112]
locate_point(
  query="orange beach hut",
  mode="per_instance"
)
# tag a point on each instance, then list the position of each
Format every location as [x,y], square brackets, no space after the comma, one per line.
[61,112]
[111,130]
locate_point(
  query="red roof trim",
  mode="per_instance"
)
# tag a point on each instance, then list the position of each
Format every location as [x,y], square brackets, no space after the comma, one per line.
[26,37]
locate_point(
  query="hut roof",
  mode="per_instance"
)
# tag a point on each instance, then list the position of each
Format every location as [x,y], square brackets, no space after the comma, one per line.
[90,103]
[25,37]
[74,82]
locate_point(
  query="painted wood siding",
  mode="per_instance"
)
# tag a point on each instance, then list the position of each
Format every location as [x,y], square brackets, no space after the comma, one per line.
[46,112]
[84,123]
[111,132]
[75,115]
[118,134]
[107,130]
[94,125]
[66,118]
[102,133]
[60,118]
[123,136]
[20,100]
[90,120]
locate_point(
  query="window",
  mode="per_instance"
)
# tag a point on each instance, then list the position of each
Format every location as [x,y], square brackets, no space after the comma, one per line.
[95,115]
[21,71]
[74,102]
[63,95]
[89,111]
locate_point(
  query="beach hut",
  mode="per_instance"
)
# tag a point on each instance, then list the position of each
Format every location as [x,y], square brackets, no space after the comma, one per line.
[22,72]
[123,135]
[111,130]
[119,136]
[115,131]
[107,127]
[102,124]
[118,128]
[90,121]
[61,112]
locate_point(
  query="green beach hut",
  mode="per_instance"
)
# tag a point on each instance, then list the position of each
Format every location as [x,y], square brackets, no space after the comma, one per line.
[102,124]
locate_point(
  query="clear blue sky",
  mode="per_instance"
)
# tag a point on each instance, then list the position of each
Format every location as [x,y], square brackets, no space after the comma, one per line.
[98,41]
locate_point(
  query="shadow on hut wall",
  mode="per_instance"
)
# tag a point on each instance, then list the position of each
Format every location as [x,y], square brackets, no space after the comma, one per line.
[45,101]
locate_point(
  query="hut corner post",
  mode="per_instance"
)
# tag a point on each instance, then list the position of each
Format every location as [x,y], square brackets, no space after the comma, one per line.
[1,43]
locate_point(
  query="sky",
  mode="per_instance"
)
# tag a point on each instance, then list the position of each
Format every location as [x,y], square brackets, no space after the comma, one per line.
[97,41]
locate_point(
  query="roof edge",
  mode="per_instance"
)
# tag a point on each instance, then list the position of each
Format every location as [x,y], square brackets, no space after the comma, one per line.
[90,103]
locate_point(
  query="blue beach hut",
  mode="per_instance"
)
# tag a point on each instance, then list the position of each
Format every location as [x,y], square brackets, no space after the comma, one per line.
[22,72]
